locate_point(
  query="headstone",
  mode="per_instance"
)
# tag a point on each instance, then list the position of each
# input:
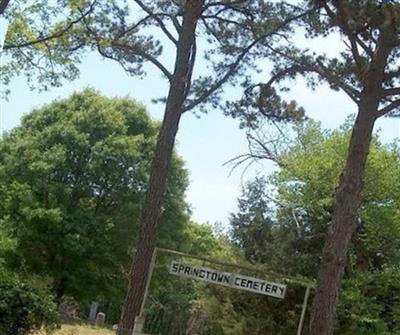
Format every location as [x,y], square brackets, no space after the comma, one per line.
[93,311]
[100,319]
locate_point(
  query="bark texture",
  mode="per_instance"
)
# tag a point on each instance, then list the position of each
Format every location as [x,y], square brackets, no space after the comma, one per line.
[3,6]
[342,227]
[149,219]
[348,193]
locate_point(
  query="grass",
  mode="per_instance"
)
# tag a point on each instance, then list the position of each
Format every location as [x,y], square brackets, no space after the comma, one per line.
[80,330]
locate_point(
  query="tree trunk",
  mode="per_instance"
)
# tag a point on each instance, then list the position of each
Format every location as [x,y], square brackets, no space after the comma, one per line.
[149,219]
[3,6]
[348,200]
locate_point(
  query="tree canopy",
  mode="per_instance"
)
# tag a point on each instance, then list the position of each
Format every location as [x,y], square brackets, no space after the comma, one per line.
[48,39]
[73,179]
[236,33]
[293,209]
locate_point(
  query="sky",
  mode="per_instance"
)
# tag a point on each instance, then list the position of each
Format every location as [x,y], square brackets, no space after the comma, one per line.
[206,142]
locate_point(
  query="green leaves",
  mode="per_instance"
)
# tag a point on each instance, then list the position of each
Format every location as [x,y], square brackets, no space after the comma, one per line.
[25,307]
[46,40]
[282,221]
[73,178]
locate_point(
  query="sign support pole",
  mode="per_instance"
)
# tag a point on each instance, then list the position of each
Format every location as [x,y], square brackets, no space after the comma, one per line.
[303,311]
[150,275]
[140,319]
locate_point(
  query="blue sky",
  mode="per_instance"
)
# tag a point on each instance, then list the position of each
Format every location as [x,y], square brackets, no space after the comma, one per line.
[205,143]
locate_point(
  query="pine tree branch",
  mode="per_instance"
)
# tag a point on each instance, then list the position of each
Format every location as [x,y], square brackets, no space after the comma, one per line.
[234,65]
[192,61]
[342,20]
[175,22]
[318,68]
[144,55]
[389,108]
[218,84]
[222,19]
[135,26]
[55,35]
[324,72]
[211,31]
[390,91]
[157,18]
[225,6]
[123,46]
[391,75]
[292,70]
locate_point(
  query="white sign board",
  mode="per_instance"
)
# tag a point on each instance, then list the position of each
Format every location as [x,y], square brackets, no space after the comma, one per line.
[233,280]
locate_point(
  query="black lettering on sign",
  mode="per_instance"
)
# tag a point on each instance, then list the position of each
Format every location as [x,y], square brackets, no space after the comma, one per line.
[274,289]
[237,279]
[175,267]
[223,278]
[229,279]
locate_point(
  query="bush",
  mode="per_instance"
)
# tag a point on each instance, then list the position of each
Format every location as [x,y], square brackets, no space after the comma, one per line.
[24,306]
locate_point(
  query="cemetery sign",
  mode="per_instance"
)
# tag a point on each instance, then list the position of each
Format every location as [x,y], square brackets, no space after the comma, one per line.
[233,280]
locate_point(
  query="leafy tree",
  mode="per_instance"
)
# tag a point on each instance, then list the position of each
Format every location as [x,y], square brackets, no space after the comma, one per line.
[73,179]
[252,225]
[302,211]
[308,184]
[367,71]
[174,305]
[24,306]
[235,31]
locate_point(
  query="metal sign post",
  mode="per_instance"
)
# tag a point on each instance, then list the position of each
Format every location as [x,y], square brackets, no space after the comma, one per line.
[303,311]
[150,275]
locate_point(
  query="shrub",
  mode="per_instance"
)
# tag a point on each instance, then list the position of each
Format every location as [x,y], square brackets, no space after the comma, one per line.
[24,306]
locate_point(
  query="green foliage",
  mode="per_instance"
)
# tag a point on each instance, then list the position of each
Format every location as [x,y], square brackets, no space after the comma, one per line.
[282,221]
[73,178]
[252,225]
[25,307]
[46,42]
[174,305]
[370,303]
[46,39]
[307,184]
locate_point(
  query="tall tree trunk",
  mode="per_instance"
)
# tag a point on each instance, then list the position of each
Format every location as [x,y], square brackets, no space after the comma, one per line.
[343,221]
[348,193]
[149,219]
[3,6]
